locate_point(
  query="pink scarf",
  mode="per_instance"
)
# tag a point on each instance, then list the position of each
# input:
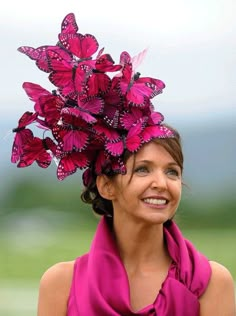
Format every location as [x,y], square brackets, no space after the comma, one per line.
[100,285]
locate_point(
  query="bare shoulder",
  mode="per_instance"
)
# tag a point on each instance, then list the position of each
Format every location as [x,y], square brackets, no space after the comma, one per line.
[54,289]
[219,297]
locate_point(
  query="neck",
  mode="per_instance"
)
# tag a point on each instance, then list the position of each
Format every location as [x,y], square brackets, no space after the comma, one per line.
[141,246]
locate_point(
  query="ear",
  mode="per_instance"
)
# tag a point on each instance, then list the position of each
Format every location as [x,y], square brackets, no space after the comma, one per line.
[105,187]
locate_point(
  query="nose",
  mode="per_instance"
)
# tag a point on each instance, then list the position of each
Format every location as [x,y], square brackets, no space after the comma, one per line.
[159,182]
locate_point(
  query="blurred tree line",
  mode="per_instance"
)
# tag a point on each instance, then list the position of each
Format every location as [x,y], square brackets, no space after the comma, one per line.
[30,194]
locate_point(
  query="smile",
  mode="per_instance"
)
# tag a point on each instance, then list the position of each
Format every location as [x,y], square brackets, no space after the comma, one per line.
[155,201]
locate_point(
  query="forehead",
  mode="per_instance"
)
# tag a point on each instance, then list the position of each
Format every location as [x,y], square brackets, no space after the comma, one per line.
[152,152]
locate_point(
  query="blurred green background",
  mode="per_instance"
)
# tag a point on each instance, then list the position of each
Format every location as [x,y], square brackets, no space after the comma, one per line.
[43,222]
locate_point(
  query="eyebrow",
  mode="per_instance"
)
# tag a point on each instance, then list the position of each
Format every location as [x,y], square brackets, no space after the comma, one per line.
[171,163]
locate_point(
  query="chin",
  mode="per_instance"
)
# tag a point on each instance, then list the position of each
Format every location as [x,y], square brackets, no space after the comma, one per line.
[156,219]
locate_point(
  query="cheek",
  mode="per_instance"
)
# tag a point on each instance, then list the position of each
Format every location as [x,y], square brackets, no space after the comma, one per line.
[177,190]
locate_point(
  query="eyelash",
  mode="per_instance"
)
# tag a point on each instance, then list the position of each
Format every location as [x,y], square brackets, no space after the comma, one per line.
[141,169]
[171,172]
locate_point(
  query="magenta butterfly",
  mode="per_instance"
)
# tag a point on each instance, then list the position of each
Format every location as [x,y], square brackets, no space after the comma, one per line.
[138,90]
[38,150]
[47,104]
[81,46]
[86,109]
[40,55]
[70,133]
[144,115]
[107,164]
[111,134]
[99,82]
[70,162]
[67,74]
[22,135]
[132,142]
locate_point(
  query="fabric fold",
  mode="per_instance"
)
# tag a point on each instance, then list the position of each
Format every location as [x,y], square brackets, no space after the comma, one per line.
[100,284]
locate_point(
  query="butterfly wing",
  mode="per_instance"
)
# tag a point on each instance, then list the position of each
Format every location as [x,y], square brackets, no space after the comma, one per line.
[137,60]
[155,118]
[21,138]
[75,140]
[22,134]
[82,46]
[50,107]
[115,148]
[132,117]
[62,75]
[105,63]
[93,105]
[69,25]
[98,83]
[70,163]
[133,139]
[35,150]
[79,113]
[111,134]
[156,131]
[26,119]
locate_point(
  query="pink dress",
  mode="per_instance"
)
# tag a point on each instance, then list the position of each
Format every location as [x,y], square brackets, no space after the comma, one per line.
[100,284]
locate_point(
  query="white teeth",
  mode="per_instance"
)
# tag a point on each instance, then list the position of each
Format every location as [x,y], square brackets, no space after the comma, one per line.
[155,201]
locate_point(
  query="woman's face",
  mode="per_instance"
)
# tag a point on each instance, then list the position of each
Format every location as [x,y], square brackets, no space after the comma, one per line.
[150,191]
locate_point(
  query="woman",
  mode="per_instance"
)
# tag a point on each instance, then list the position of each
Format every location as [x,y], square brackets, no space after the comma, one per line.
[144,200]
[139,262]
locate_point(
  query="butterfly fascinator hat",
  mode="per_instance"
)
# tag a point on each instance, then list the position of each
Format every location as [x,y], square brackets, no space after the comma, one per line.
[97,111]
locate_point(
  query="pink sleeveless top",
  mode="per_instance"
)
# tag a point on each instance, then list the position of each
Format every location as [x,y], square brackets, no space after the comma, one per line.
[100,284]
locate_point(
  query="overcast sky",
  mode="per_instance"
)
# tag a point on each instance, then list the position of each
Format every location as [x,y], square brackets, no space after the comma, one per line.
[191,47]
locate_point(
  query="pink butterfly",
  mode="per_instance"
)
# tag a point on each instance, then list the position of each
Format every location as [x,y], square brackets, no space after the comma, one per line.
[99,82]
[81,46]
[40,55]
[135,115]
[70,162]
[135,61]
[47,104]
[105,63]
[107,164]
[85,109]
[22,135]
[37,150]
[75,139]
[144,115]
[71,134]
[138,90]
[132,142]
[67,74]
[111,134]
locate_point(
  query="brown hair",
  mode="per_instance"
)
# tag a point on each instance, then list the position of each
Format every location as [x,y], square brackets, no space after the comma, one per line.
[103,206]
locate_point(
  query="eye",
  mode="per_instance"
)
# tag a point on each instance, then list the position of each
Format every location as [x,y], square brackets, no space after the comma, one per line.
[141,170]
[173,173]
